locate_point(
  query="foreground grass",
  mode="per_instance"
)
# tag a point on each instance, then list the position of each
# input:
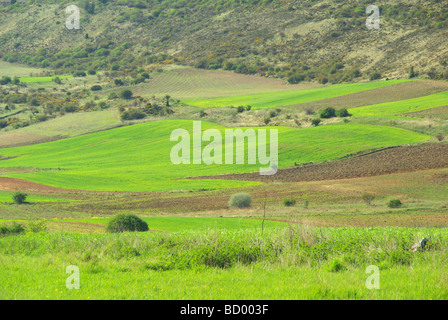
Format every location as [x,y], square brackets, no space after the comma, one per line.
[291,263]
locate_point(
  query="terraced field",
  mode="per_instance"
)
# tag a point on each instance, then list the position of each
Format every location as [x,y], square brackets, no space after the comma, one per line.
[188,83]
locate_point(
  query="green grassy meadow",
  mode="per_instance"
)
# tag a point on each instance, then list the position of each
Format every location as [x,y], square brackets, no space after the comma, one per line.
[93,162]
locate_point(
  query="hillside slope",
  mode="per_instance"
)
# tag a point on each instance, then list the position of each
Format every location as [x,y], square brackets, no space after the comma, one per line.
[307,40]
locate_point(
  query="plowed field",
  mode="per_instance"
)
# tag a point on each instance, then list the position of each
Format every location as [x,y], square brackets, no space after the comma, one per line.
[394,160]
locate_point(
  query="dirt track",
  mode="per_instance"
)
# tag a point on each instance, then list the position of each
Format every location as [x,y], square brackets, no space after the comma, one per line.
[389,161]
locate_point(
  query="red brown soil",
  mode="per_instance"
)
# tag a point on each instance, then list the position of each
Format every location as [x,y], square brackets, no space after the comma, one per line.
[389,161]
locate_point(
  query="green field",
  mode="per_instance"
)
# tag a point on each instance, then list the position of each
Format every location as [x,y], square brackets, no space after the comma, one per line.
[401,107]
[75,124]
[137,158]
[287,98]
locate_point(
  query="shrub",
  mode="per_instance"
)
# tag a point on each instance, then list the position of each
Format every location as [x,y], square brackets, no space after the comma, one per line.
[289,202]
[375,76]
[16,228]
[96,88]
[112,96]
[240,200]
[248,108]
[342,113]
[395,203]
[328,113]
[316,122]
[240,109]
[19,197]
[440,137]
[133,114]
[79,74]
[126,94]
[42,118]
[126,222]
[37,226]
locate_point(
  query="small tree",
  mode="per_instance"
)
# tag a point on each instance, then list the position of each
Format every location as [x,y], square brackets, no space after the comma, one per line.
[368,198]
[289,202]
[316,122]
[240,200]
[240,109]
[412,73]
[19,197]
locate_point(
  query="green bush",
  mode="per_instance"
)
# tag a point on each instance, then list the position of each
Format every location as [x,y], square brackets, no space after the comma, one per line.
[342,113]
[316,122]
[133,114]
[289,202]
[126,94]
[126,222]
[375,76]
[240,200]
[96,88]
[16,228]
[395,203]
[240,109]
[19,197]
[328,113]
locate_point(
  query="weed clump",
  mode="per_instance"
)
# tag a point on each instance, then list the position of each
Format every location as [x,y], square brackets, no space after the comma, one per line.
[126,222]
[289,202]
[240,200]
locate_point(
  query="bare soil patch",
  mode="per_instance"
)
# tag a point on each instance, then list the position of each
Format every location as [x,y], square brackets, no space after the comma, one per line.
[16,139]
[188,83]
[389,161]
